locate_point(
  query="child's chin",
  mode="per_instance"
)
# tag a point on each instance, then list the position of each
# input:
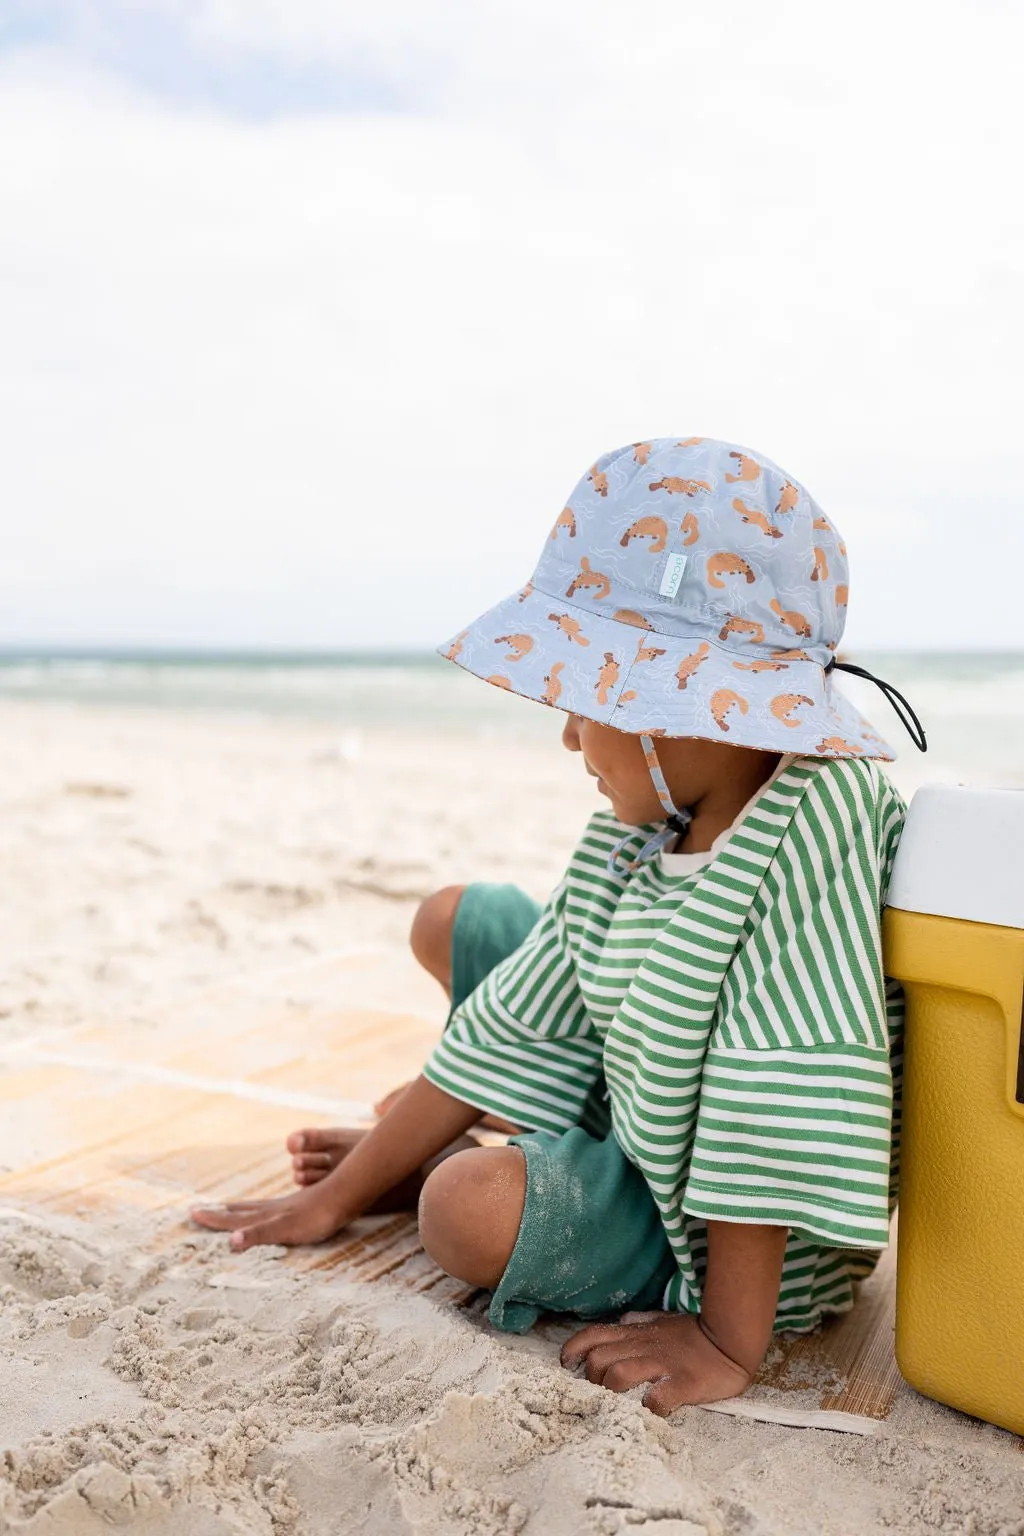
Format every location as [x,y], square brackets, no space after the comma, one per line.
[625,814]
[628,814]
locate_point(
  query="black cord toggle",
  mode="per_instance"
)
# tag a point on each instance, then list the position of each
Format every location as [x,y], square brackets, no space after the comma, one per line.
[905,710]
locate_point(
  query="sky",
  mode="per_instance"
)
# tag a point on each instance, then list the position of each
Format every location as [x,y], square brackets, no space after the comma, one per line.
[313,313]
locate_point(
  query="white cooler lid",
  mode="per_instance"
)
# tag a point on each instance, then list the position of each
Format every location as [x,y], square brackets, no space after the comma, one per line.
[962,855]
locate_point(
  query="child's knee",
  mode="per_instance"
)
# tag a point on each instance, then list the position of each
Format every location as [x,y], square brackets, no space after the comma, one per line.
[431,934]
[470,1211]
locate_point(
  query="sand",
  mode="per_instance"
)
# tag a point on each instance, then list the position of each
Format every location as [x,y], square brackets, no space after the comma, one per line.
[150,1381]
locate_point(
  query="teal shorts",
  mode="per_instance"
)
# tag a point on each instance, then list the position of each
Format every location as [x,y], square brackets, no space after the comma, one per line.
[591,1241]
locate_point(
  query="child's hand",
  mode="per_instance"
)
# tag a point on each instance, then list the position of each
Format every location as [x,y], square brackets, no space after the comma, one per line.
[667,1349]
[423,1122]
[311,1215]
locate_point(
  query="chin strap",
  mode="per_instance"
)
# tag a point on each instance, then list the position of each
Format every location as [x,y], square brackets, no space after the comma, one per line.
[906,712]
[676,821]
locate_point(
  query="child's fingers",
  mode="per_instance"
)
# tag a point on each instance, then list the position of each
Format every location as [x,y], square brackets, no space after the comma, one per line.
[303,1160]
[631,1372]
[604,1357]
[579,1346]
[225,1218]
[668,1394]
[252,1237]
[282,1227]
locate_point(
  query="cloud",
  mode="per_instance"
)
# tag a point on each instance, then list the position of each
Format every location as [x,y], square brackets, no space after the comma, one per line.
[323,376]
[166,50]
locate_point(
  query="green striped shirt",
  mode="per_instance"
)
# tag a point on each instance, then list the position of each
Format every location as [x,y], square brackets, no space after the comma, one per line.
[731,1026]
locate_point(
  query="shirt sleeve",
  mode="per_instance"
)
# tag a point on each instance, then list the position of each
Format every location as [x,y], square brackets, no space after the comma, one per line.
[795,1124]
[521,1045]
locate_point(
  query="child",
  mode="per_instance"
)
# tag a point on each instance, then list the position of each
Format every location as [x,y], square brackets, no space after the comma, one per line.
[694,1033]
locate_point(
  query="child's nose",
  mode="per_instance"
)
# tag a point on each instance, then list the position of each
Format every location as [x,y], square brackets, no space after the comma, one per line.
[571,734]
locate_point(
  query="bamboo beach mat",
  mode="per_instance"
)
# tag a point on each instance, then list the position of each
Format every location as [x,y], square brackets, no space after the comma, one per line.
[112,1119]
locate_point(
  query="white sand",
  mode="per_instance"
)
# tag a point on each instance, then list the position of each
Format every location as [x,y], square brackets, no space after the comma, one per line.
[162,1386]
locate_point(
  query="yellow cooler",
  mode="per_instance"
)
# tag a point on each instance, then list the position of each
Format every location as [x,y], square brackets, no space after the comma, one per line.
[954,936]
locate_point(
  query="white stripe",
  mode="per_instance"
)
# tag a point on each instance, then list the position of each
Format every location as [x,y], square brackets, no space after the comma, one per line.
[666,1120]
[731,1014]
[669,1079]
[870,963]
[679,1049]
[867,1057]
[838,1130]
[506,1102]
[682,956]
[767,1159]
[585,1073]
[148,1072]
[659,1148]
[835,1085]
[823,1089]
[840,959]
[776,979]
[517,1027]
[841,1230]
[700,996]
[525,978]
[716,910]
[794,905]
[795,1418]
[876,1151]
[778,1197]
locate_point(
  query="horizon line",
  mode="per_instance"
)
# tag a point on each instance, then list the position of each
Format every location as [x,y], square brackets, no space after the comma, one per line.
[99,651]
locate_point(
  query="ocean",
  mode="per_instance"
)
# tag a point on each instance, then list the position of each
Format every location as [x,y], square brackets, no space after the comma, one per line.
[972,704]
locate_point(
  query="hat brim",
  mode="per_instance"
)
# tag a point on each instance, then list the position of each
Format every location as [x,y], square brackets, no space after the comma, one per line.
[620,672]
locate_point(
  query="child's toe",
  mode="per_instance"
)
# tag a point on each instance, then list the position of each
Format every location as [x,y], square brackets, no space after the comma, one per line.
[319,1139]
[306,1176]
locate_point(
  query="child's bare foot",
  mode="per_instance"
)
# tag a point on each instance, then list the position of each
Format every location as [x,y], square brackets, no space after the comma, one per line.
[489,1122]
[315,1152]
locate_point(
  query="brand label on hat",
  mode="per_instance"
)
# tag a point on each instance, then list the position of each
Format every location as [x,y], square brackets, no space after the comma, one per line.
[673,575]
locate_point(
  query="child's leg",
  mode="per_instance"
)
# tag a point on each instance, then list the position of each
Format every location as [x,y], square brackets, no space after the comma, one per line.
[470,1212]
[430,937]
[551,1223]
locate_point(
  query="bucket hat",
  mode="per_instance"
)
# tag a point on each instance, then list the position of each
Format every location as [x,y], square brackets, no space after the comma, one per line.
[688,587]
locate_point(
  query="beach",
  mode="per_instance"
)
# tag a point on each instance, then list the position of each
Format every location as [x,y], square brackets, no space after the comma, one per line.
[153,851]
[681,346]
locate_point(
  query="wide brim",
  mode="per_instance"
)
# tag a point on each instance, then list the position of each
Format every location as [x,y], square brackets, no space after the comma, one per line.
[642,681]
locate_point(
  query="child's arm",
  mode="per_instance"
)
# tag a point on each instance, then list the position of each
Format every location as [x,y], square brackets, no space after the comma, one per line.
[741,1288]
[691,1360]
[423,1122]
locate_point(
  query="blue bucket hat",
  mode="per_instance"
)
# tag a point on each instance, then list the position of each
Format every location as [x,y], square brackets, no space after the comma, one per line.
[688,588]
